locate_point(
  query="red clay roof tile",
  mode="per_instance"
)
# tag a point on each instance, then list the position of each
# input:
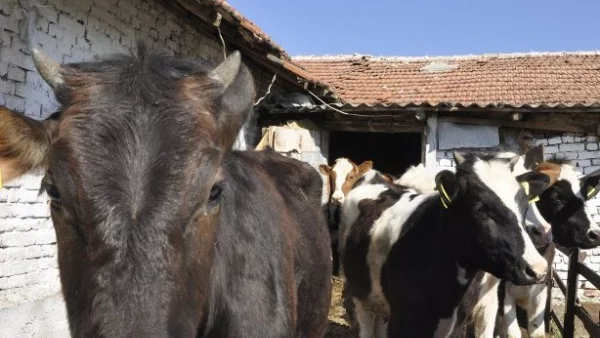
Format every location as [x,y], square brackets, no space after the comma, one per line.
[507,79]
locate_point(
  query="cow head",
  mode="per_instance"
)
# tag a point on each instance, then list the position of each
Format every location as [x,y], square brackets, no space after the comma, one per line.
[564,206]
[133,170]
[342,176]
[488,203]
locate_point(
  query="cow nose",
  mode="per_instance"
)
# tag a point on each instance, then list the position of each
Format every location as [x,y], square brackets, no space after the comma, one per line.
[537,270]
[594,235]
[338,198]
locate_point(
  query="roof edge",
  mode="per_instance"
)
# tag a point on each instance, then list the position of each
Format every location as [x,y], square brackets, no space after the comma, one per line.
[344,57]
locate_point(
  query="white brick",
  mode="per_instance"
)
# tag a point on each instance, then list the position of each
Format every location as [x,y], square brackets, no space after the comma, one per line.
[31,278]
[551,149]
[446,162]
[569,155]
[15,73]
[7,87]
[571,147]
[554,140]
[69,24]
[589,154]
[590,169]
[591,138]
[21,267]
[14,103]
[584,163]
[567,138]
[591,146]
[29,252]
[48,12]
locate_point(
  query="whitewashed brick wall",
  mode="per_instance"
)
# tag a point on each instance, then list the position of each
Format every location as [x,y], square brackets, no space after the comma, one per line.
[68,31]
[583,152]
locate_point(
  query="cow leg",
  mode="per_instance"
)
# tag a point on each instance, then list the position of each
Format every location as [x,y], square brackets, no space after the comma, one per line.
[380,327]
[511,325]
[535,312]
[365,319]
[487,318]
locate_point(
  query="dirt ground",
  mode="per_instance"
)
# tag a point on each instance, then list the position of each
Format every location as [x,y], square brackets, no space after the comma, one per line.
[338,321]
[339,327]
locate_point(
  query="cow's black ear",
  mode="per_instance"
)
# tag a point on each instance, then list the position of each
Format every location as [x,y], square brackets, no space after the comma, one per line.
[447,184]
[534,157]
[590,185]
[534,183]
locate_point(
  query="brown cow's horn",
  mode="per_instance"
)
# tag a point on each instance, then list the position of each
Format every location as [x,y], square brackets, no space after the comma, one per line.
[48,69]
[228,69]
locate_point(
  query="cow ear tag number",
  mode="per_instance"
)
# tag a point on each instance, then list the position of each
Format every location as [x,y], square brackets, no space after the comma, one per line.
[444,197]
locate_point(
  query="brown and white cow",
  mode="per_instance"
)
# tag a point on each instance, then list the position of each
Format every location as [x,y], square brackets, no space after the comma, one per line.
[162,230]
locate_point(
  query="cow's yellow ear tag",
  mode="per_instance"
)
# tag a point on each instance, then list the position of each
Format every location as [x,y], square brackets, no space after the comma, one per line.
[591,191]
[444,196]
[525,186]
[0,178]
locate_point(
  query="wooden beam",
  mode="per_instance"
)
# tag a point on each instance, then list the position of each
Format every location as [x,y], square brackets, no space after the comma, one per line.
[554,122]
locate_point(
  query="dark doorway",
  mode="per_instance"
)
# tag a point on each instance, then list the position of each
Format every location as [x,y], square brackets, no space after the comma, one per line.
[391,153]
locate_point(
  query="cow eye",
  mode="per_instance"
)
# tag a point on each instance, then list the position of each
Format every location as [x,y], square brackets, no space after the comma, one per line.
[53,194]
[215,194]
[50,189]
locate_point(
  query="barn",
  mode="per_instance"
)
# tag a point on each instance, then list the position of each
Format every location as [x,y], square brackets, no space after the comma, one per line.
[399,111]
[395,111]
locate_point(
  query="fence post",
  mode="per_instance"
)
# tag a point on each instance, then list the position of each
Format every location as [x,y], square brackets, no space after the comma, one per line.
[569,325]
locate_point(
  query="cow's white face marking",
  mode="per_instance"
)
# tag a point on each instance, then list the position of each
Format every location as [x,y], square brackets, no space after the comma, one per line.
[342,168]
[499,178]
[534,219]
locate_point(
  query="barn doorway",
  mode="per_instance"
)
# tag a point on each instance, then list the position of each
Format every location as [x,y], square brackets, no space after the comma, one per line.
[391,153]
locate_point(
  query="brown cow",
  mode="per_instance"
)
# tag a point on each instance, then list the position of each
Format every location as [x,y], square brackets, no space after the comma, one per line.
[162,230]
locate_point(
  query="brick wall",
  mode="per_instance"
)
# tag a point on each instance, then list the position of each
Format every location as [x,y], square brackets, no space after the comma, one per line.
[68,31]
[583,152]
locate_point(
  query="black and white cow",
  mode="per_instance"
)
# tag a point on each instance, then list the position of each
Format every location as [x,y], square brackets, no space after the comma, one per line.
[409,257]
[563,206]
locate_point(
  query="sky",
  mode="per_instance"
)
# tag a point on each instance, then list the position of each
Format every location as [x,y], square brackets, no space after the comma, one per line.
[426,27]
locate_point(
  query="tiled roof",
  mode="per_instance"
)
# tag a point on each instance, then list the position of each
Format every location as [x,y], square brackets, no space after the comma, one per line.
[513,80]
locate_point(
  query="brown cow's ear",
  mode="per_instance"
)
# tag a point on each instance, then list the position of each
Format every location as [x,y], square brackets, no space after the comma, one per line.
[325,169]
[24,143]
[364,167]
[238,97]
[552,170]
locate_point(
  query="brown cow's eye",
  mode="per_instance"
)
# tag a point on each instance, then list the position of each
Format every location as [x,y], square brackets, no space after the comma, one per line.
[215,194]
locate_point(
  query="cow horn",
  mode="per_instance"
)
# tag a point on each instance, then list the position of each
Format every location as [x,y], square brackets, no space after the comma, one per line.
[228,69]
[48,68]
[458,158]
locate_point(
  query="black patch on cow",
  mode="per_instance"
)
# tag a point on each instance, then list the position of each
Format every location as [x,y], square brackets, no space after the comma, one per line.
[412,197]
[356,247]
